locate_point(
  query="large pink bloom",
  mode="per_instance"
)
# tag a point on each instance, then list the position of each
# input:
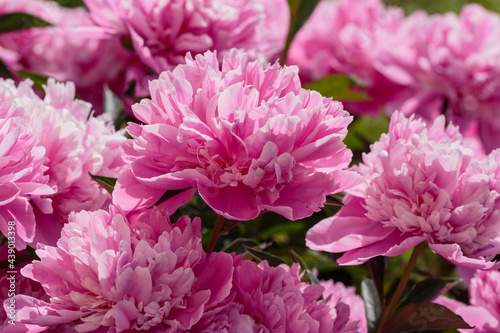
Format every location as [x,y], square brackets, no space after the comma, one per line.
[246,136]
[162,32]
[421,184]
[75,144]
[72,49]
[22,178]
[272,299]
[106,276]
[483,310]
[451,64]
[339,39]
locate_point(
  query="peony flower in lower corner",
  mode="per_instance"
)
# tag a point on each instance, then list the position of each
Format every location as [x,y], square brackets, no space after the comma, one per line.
[420,184]
[483,310]
[272,299]
[106,276]
[245,135]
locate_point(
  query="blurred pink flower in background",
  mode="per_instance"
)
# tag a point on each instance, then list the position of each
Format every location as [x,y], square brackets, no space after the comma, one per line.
[451,65]
[272,299]
[247,136]
[420,184]
[162,32]
[483,310]
[338,39]
[22,178]
[105,276]
[75,144]
[338,292]
[73,49]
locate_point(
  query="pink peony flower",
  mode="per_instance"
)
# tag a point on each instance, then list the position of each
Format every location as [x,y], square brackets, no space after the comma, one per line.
[420,184]
[13,283]
[72,49]
[246,136]
[73,146]
[451,65]
[162,32]
[272,299]
[106,276]
[22,179]
[338,39]
[484,309]
[338,292]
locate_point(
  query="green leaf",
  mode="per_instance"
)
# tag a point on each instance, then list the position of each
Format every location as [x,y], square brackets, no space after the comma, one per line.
[4,71]
[333,201]
[424,316]
[373,308]
[261,255]
[300,10]
[238,245]
[313,279]
[70,3]
[107,183]
[427,290]
[127,42]
[377,267]
[289,227]
[337,86]
[18,21]
[365,130]
[38,79]
[170,194]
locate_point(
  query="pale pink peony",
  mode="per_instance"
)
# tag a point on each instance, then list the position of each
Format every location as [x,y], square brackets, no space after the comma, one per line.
[483,311]
[338,292]
[272,299]
[22,178]
[72,49]
[106,276]
[345,37]
[420,184]
[246,136]
[75,144]
[162,32]
[450,62]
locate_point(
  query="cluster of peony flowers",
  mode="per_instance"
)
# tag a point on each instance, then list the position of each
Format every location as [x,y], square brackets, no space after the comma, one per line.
[49,147]
[222,118]
[420,64]
[108,274]
[245,135]
[420,184]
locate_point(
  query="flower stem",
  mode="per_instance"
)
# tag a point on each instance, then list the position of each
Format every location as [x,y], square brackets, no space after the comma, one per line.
[401,286]
[219,223]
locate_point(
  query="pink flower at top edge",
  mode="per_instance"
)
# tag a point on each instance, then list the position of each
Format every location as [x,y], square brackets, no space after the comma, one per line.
[246,136]
[420,184]
[338,39]
[106,276]
[161,33]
